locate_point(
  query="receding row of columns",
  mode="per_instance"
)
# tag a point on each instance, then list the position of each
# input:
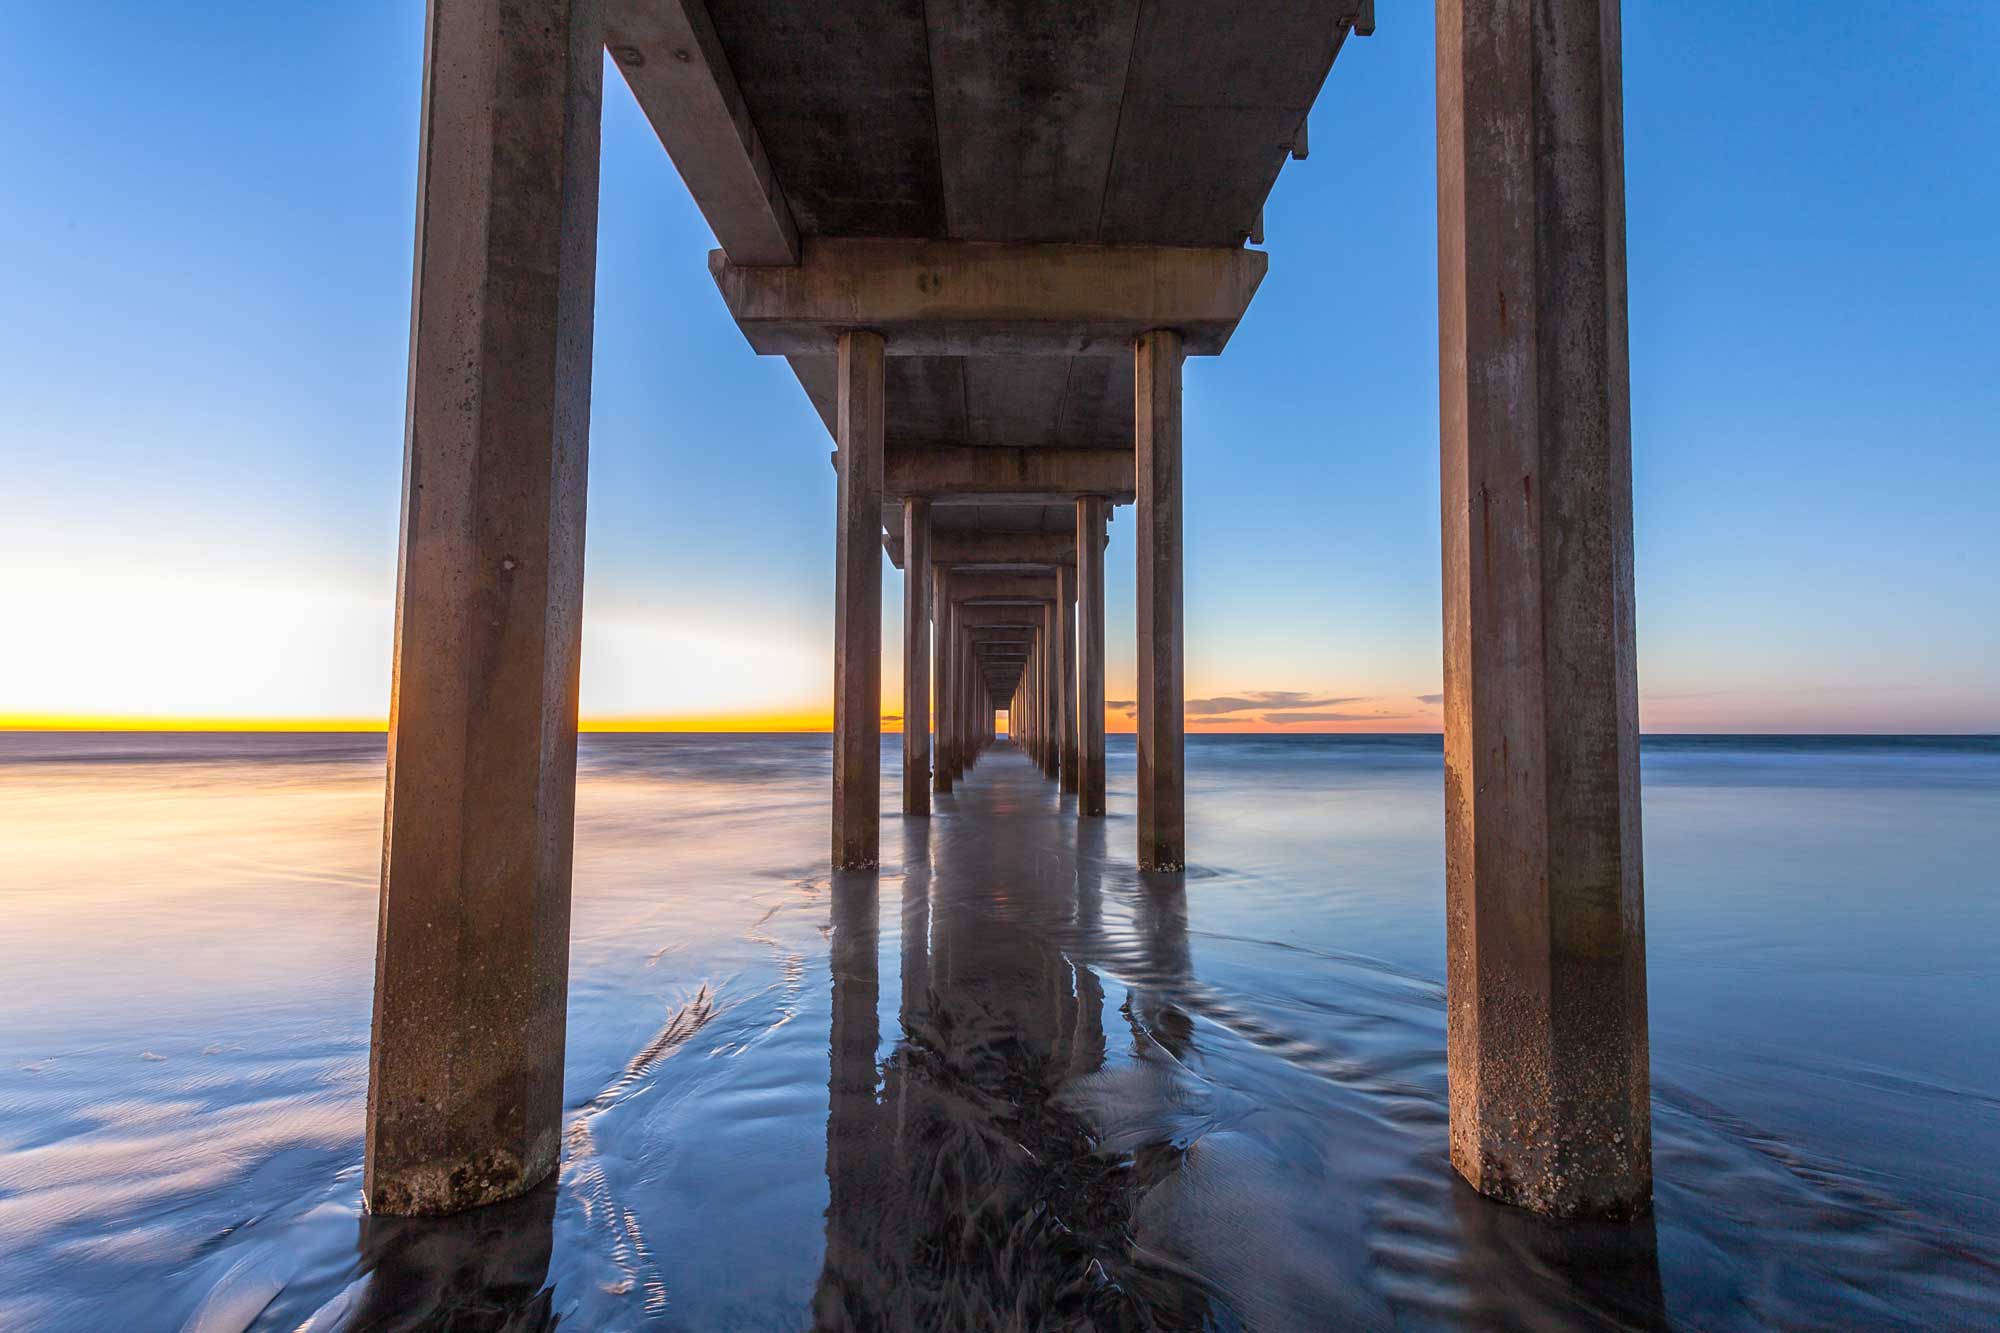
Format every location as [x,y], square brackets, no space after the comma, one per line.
[1055,700]
[1547,1035]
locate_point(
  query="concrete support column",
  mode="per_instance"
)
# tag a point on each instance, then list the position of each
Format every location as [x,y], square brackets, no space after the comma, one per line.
[1090,654]
[1052,690]
[857,614]
[916,655]
[968,748]
[944,771]
[1162,726]
[961,712]
[465,1065]
[1066,670]
[1545,917]
[1038,662]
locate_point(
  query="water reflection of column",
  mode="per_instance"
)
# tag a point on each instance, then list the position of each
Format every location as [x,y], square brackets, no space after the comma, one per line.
[853,1139]
[1606,1272]
[969,1189]
[916,931]
[486,1268]
[1087,1052]
[1160,920]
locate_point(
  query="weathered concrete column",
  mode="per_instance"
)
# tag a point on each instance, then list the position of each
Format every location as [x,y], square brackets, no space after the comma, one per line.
[916,656]
[1090,654]
[1544,908]
[945,766]
[857,614]
[1066,670]
[967,682]
[1052,690]
[1162,726]
[465,1066]
[1039,704]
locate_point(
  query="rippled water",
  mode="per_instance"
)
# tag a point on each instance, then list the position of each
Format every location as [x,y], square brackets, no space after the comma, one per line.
[1005,1083]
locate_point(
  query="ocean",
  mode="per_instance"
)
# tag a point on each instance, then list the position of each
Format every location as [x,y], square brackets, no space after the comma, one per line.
[1006,1082]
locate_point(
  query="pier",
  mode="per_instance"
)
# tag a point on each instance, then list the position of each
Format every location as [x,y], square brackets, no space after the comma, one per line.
[985,238]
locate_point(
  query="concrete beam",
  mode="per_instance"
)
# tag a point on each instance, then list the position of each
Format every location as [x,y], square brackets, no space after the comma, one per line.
[1002,587]
[975,298]
[1544,903]
[674,63]
[1003,548]
[465,1061]
[954,548]
[975,475]
[1023,616]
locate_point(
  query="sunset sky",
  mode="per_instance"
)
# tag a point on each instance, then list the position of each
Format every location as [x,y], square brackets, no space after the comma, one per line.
[209,217]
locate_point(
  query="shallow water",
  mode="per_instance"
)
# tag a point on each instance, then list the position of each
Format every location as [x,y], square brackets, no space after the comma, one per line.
[1005,1083]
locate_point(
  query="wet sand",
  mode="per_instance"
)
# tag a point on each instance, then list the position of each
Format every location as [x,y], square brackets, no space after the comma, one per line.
[1007,1081]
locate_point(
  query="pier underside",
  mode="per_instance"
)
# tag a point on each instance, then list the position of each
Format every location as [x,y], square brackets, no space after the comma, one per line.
[986,237]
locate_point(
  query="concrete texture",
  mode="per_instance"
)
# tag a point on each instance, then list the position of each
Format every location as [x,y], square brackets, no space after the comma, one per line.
[1544,903]
[946,761]
[1162,687]
[1001,588]
[1002,548]
[857,649]
[917,658]
[956,474]
[1065,610]
[472,956]
[1090,654]
[673,61]
[972,298]
[1112,122]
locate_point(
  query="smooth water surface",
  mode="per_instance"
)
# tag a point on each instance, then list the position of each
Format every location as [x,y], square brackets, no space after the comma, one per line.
[1005,1083]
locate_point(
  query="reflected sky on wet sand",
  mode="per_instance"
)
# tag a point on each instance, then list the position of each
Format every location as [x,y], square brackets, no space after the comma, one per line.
[1007,1081]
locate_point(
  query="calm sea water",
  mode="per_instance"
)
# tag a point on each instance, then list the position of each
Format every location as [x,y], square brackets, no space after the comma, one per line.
[1005,1083]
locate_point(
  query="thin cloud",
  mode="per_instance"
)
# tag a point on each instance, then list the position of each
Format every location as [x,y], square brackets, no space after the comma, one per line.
[1430,698]
[1121,703]
[1294,719]
[1253,699]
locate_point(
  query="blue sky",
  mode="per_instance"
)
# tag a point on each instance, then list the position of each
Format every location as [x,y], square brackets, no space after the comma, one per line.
[209,222]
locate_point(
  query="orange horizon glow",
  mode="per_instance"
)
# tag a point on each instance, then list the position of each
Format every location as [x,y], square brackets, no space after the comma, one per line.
[1116,723]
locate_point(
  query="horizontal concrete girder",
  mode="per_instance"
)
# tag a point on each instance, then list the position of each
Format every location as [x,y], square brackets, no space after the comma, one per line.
[1004,587]
[983,298]
[1000,550]
[674,63]
[946,474]
[987,475]
[1021,617]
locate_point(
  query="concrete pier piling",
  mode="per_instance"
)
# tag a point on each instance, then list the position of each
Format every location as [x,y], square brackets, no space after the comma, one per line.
[1090,653]
[963,323]
[1544,906]
[857,615]
[947,625]
[916,656]
[1162,689]
[472,957]
[1066,670]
